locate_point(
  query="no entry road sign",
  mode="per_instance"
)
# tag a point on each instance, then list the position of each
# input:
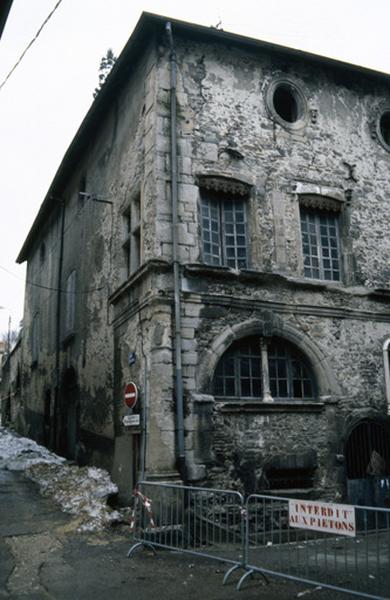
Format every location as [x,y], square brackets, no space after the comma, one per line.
[131,394]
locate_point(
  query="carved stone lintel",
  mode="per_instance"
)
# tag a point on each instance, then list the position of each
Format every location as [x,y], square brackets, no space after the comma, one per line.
[225,185]
[319,203]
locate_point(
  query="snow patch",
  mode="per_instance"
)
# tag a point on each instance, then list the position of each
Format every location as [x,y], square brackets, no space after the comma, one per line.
[80,491]
[17,453]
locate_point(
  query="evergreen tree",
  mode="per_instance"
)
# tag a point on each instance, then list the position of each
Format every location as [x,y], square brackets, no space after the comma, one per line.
[106,64]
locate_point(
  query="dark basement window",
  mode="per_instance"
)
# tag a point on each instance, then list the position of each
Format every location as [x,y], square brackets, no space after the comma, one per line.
[284,479]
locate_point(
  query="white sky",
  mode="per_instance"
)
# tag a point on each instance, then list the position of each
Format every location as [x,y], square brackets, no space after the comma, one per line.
[45,100]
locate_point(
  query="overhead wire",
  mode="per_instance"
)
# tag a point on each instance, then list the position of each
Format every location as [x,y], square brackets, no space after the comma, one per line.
[51,248]
[30,44]
[52,289]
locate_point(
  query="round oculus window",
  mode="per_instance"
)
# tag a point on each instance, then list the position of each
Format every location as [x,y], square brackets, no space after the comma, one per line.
[383,129]
[287,104]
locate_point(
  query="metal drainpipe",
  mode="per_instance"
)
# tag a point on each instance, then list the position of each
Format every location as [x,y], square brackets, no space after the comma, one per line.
[58,328]
[386,363]
[176,264]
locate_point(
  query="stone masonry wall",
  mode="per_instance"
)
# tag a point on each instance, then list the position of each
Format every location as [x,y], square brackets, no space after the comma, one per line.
[111,172]
[226,128]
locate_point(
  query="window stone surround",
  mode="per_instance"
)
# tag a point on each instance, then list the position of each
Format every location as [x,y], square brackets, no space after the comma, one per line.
[270,325]
[331,199]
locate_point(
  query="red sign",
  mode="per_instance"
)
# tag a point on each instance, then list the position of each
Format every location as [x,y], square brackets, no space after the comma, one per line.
[131,395]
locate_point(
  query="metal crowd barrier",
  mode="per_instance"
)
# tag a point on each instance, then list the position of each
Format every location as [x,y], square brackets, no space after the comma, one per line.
[257,536]
[201,521]
[356,564]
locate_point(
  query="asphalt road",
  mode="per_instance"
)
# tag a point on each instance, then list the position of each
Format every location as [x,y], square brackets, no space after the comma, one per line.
[43,558]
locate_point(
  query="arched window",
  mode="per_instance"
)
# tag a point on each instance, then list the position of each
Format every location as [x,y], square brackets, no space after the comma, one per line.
[265,369]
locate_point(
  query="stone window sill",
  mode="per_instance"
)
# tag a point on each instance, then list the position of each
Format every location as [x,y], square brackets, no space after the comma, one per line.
[250,275]
[278,406]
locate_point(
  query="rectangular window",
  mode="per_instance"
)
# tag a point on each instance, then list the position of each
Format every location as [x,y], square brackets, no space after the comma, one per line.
[70,303]
[320,244]
[132,237]
[224,231]
[35,338]
[126,222]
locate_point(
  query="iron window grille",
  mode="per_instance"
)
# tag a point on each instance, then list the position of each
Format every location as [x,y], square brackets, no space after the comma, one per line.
[239,373]
[224,230]
[320,244]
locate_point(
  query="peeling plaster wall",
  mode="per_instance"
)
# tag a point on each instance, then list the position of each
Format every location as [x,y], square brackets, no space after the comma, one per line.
[225,128]
[237,444]
[114,167]
[221,104]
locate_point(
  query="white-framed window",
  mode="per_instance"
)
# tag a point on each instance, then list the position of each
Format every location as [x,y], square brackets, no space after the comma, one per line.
[321,250]
[70,303]
[224,230]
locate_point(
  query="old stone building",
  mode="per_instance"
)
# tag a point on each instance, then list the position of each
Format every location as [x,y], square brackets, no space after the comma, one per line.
[10,387]
[218,233]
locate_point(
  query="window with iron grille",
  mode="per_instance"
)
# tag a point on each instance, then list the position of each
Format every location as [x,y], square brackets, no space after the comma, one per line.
[224,230]
[239,373]
[320,244]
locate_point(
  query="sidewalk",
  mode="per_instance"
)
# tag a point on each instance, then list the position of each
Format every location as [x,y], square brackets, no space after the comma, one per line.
[42,558]
[49,554]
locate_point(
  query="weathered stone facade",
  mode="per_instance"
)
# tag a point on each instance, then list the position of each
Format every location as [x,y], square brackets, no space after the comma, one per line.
[285,133]
[11,410]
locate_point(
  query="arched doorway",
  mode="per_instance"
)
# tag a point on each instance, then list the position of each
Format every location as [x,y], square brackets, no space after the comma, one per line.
[367,454]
